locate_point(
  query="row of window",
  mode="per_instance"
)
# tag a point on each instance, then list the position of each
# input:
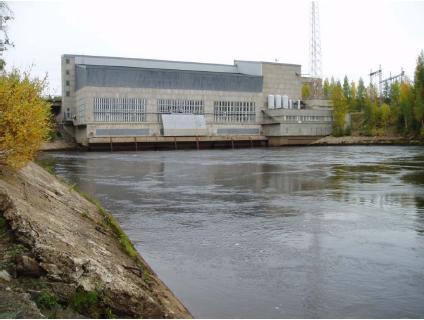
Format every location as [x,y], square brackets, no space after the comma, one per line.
[179,106]
[119,110]
[134,110]
[234,111]
[308,118]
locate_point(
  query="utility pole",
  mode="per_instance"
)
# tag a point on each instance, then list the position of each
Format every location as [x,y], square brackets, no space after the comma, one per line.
[374,74]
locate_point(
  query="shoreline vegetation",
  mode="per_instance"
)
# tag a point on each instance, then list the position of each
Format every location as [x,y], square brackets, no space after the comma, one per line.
[394,108]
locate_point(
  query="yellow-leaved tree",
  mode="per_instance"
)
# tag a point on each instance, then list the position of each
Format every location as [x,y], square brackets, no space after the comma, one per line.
[24,118]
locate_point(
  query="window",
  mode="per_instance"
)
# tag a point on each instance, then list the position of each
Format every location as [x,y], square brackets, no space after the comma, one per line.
[67,61]
[67,82]
[119,109]
[179,106]
[67,72]
[234,111]
[81,110]
[68,93]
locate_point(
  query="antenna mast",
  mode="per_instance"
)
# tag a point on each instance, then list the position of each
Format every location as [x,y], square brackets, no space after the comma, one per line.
[315,43]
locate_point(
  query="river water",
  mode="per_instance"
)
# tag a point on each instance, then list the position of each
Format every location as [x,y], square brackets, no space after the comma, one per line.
[330,232]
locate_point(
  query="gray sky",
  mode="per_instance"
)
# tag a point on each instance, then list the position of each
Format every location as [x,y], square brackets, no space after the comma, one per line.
[355,35]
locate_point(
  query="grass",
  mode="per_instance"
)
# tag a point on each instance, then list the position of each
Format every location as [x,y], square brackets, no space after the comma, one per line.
[111,222]
[15,250]
[47,165]
[46,301]
[82,301]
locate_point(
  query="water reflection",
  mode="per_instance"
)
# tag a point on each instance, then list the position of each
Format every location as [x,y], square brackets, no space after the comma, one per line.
[295,232]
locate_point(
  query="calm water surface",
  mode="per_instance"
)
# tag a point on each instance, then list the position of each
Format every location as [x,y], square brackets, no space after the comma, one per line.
[288,232]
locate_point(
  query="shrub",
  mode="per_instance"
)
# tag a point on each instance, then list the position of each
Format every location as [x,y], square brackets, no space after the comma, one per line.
[46,301]
[84,300]
[24,118]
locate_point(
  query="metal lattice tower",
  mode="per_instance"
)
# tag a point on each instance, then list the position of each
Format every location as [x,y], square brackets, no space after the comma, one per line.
[315,67]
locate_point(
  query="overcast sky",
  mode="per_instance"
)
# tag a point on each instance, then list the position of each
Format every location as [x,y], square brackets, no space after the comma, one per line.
[355,35]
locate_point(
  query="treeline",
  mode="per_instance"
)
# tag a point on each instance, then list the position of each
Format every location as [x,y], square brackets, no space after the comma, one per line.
[398,109]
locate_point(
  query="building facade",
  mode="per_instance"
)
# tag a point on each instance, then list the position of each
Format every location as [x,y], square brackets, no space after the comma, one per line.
[123,100]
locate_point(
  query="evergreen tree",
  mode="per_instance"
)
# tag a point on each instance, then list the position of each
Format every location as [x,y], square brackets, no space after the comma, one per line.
[346,88]
[419,92]
[386,92]
[353,93]
[360,97]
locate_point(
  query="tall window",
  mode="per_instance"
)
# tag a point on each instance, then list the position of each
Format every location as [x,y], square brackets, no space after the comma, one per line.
[234,111]
[179,106]
[119,109]
[81,110]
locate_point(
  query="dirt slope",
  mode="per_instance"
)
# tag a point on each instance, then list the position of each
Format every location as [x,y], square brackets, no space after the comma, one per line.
[60,249]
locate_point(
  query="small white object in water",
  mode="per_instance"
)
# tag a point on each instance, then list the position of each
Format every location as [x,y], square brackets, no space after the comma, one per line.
[237,244]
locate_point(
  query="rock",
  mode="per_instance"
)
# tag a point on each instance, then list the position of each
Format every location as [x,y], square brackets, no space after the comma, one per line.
[4,275]
[18,305]
[27,266]
[71,253]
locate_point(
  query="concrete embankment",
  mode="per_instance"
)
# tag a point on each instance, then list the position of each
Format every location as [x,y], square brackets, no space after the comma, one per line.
[58,145]
[362,140]
[64,256]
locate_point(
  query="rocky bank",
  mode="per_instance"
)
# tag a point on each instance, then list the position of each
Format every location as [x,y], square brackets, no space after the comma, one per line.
[363,140]
[64,256]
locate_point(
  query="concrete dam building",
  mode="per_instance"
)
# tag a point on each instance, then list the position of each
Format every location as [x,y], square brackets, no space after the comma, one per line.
[118,101]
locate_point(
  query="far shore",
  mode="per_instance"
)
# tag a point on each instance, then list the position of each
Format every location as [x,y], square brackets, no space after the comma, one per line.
[365,140]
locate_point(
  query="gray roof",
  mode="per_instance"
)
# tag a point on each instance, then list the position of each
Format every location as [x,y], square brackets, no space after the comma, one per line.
[152,64]
[138,77]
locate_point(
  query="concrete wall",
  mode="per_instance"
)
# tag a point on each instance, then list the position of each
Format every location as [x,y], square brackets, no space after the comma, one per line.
[68,102]
[292,122]
[281,79]
[87,94]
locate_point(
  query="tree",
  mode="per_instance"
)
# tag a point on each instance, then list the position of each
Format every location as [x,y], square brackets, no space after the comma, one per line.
[326,89]
[5,15]
[24,118]
[419,92]
[353,104]
[406,116]
[340,108]
[386,92]
[370,115]
[385,115]
[306,91]
[360,97]
[346,88]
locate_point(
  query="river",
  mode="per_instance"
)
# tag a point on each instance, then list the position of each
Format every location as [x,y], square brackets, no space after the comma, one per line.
[298,232]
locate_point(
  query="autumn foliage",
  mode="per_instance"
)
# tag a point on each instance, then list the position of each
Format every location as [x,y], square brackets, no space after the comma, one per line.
[24,118]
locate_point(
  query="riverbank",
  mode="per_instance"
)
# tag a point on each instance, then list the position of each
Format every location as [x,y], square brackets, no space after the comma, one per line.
[58,145]
[363,140]
[63,256]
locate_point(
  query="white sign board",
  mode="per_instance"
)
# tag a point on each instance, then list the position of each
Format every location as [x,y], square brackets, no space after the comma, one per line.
[179,124]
